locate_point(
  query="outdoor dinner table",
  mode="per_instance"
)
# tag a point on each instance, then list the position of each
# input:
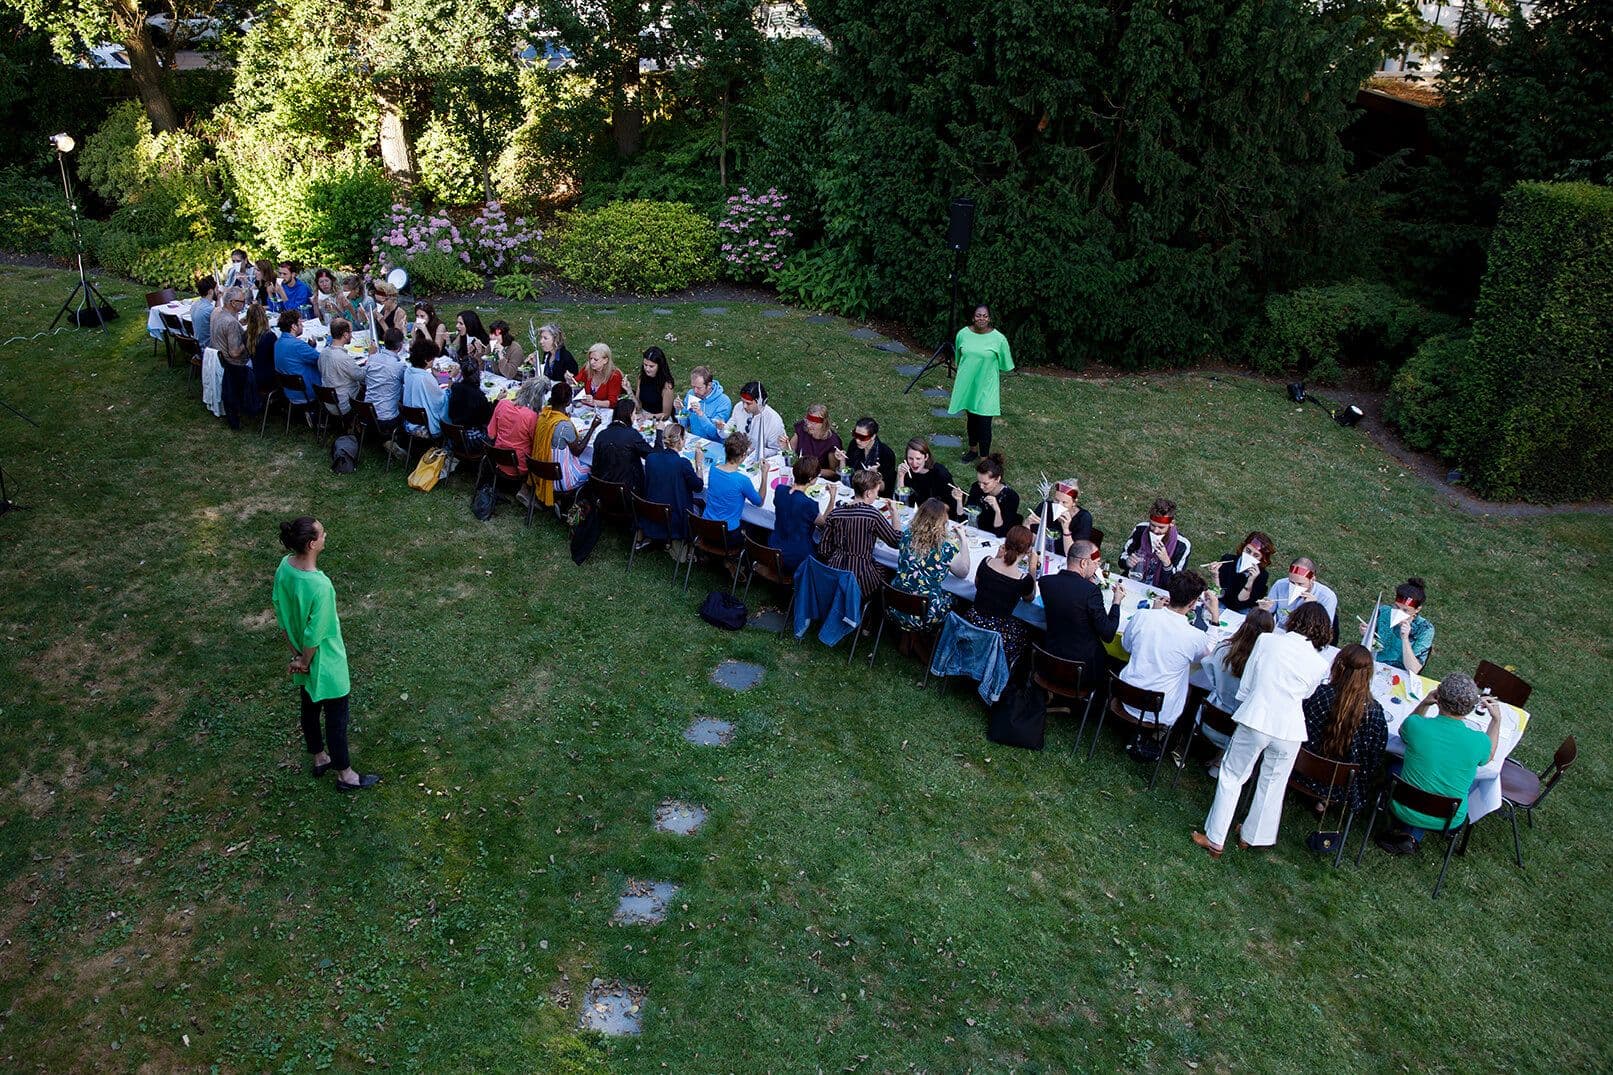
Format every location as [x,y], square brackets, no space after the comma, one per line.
[154,325]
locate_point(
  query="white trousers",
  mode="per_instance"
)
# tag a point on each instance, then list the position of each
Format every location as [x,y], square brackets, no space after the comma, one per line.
[1266,808]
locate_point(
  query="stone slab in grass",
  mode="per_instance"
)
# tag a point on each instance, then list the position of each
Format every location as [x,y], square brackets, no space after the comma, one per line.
[820,319]
[660,310]
[945,440]
[679,818]
[738,675]
[775,313]
[936,393]
[613,1009]
[714,311]
[644,903]
[607,310]
[942,412]
[895,347]
[768,619]
[865,334]
[552,310]
[709,732]
[909,371]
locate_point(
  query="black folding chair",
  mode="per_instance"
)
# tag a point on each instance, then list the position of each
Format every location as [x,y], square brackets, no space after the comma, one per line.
[1061,677]
[1424,802]
[1524,790]
[1334,777]
[650,511]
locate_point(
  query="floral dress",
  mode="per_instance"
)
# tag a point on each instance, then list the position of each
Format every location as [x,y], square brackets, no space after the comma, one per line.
[924,574]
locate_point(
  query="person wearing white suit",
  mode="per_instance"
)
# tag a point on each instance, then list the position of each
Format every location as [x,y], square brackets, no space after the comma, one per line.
[1284,669]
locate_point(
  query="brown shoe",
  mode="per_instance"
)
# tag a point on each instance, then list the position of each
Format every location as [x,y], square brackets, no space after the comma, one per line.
[1204,842]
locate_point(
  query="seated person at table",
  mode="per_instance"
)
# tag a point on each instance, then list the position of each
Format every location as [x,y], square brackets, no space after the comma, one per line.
[514,421]
[1224,669]
[383,384]
[1299,586]
[470,338]
[1164,644]
[428,326]
[239,272]
[866,452]
[263,281]
[328,301]
[705,405]
[1000,586]
[1404,635]
[814,436]
[287,292]
[389,315]
[1079,623]
[655,389]
[926,556]
[260,341]
[600,383]
[553,358]
[1242,576]
[758,421]
[1443,756]
[421,388]
[354,305]
[669,479]
[338,367]
[728,488]
[1067,521]
[1344,722]
[997,504]
[850,530]
[293,355]
[796,515]
[469,409]
[555,440]
[201,311]
[506,351]
[922,475]
[228,339]
[619,450]
[1156,552]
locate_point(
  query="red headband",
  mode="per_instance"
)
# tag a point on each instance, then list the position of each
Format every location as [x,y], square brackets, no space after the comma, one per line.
[1307,572]
[819,418]
[1097,556]
[747,397]
[1068,488]
[1162,520]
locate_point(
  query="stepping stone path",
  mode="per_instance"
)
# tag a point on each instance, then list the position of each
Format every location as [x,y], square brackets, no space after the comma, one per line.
[909,371]
[604,311]
[613,1009]
[551,310]
[644,903]
[768,619]
[775,313]
[738,675]
[935,393]
[714,311]
[865,334]
[945,440]
[895,347]
[941,412]
[660,310]
[820,319]
[709,732]
[678,818]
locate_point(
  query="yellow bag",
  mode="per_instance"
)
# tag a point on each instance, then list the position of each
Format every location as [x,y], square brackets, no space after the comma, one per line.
[429,471]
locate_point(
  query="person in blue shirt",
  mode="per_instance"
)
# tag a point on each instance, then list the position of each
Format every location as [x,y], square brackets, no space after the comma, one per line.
[705,405]
[383,381]
[1403,634]
[287,292]
[201,311]
[670,479]
[728,488]
[292,355]
[421,389]
[796,515]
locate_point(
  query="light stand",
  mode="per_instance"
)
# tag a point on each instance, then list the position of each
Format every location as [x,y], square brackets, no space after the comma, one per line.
[942,355]
[91,298]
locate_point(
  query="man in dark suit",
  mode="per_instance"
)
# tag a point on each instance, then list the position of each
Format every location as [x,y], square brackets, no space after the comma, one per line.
[619,451]
[1078,625]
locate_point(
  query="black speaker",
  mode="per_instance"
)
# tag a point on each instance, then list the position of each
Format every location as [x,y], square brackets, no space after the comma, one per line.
[960,224]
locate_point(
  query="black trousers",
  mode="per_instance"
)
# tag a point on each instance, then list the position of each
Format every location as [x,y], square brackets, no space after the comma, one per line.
[240,397]
[979,431]
[335,738]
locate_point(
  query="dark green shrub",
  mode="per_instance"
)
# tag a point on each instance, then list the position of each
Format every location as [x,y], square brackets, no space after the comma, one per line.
[117,250]
[337,211]
[638,246]
[1318,332]
[829,277]
[436,273]
[31,209]
[1425,395]
[518,287]
[178,265]
[165,185]
[1537,419]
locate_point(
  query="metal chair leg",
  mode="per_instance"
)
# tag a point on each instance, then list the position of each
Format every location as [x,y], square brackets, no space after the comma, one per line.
[1450,849]
[1097,733]
[1366,836]
[1517,844]
[1344,837]
[879,634]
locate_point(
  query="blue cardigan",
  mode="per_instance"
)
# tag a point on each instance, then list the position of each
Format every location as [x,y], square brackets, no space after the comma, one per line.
[670,479]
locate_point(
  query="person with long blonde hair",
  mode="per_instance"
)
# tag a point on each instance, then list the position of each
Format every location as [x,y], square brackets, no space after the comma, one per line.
[1346,723]
[928,553]
[600,382]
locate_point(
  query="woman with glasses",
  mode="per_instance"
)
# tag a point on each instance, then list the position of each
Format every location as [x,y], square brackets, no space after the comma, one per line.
[866,452]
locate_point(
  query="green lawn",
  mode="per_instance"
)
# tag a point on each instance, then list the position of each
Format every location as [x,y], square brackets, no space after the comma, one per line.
[878,888]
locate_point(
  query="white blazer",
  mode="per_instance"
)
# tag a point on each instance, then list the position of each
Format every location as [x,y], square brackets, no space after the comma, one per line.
[1283,670]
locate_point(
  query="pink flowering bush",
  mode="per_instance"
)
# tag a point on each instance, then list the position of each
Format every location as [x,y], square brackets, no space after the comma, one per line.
[444,255]
[756,234]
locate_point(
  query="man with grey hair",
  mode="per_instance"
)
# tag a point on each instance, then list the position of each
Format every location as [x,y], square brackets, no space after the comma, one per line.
[1300,586]
[1078,621]
[227,338]
[1443,755]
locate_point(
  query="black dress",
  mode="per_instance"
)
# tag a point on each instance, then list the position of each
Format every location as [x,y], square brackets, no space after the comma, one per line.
[1231,583]
[1007,499]
[935,482]
[996,597]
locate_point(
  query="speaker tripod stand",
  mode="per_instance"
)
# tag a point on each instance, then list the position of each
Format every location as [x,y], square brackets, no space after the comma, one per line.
[943,356]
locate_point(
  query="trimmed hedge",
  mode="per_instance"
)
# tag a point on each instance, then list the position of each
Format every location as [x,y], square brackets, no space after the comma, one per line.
[638,246]
[1319,331]
[1536,415]
[1422,396]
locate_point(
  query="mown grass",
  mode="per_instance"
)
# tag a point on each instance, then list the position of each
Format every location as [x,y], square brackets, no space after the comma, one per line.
[878,887]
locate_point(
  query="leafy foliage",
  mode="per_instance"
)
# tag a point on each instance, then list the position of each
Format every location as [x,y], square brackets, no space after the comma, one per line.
[517,286]
[637,246]
[829,277]
[334,213]
[1425,395]
[1318,331]
[757,234]
[165,184]
[31,208]
[178,265]
[491,242]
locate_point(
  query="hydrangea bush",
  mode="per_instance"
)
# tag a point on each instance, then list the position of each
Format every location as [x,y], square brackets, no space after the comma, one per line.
[491,244]
[757,233]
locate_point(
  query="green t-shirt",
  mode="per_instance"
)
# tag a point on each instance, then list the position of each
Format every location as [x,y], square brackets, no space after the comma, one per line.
[1442,756]
[305,605]
[981,358]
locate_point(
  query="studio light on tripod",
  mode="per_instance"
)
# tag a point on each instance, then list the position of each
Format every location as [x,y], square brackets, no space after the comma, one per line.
[63,142]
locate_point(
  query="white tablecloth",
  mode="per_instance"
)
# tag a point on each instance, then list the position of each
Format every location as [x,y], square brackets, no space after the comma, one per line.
[154,326]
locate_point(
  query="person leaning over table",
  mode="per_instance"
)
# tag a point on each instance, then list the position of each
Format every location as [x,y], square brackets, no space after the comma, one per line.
[669,479]
[514,421]
[383,386]
[796,515]
[1164,645]
[1224,669]
[759,422]
[999,588]
[728,488]
[1344,722]
[997,503]
[555,440]
[1079,622]
[655,390]
[229,340]
[469,409]
[814,436]
[421,389]
[1284,669]
[1156,551]
[927,555]
[305,606]
[921,474]
[339,369]
[619,450]
[1443,756]
[294,355]
[201,311]
[507,354]
[865,452]
[1243,575]
[1404,635]
[1067,520]
[983,356]
[851,529]
[1299,586]
[705,405]
[600,384]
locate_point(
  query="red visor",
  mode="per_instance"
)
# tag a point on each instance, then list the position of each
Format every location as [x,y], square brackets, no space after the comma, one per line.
[1162,520]
[818,418]
[747,398]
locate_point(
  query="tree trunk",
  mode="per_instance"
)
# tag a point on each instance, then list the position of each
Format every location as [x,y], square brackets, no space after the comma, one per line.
[722,142]
[143,66]
[627,117]
[396,155]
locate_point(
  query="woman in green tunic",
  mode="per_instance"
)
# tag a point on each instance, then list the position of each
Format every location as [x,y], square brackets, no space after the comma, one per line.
[982,355]
[305,605]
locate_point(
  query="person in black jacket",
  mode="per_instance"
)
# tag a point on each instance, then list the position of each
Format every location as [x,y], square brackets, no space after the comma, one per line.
[468,407]
[619,451]
[1078,623]
[866,452]
[1243,575]
[922,475]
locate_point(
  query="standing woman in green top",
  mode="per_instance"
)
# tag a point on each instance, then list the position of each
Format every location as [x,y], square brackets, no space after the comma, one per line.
[305,605]
[982,355]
